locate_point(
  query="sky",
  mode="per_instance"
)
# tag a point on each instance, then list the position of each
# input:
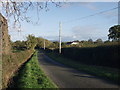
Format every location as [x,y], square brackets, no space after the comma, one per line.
[74,26]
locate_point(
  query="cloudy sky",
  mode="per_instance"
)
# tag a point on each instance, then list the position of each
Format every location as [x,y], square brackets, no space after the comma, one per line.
[80,21]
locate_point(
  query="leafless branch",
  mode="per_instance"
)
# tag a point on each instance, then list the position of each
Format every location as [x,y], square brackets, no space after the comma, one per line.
[19,10]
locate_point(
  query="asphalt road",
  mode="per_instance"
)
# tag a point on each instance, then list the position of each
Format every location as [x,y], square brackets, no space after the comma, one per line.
[66,77]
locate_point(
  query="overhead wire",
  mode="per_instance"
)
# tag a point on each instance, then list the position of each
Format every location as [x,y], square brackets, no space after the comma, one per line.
[90,15]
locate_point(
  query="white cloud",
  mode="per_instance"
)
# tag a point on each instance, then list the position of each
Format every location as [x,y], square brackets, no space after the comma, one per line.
[111,14]
[82,33]
[65,5]
[83,4]
[74,36]
[86,32]
[64,38]
[88,5]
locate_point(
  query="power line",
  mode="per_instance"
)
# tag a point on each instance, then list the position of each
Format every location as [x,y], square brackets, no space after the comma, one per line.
[90,15]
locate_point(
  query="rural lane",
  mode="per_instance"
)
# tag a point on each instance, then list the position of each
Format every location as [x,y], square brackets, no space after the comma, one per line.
[66,77]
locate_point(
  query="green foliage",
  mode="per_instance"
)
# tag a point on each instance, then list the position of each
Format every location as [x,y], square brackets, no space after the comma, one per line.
[40,43]
[56,44]
[101,56]
[31,76]
[114,33]
[11,62]
[31,42]
[63,44]
[88,44]
[19,45]
[105,54]
[107,41]
[90,40]
[99,41]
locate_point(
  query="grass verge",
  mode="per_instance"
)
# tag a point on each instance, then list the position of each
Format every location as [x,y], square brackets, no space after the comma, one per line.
[31,76]
[10,64]
[103,72]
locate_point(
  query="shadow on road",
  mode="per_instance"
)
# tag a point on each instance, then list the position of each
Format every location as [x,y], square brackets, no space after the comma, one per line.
[70,77]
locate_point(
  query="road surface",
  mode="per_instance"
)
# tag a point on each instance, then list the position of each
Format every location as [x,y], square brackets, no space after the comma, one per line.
[66,77]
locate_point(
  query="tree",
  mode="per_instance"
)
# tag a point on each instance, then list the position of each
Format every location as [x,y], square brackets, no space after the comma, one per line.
[19,45]
[114,33]
[31,42]
[40,43]
[63,44]
[99,41]
[90,40]
[19,10]
[56,44]
[107,41]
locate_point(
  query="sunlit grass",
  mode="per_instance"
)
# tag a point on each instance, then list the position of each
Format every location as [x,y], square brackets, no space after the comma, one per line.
[33,77]
[10,64]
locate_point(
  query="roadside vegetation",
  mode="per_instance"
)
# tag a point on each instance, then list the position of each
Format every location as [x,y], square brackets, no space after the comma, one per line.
[20,52]
[100,71]
[100,56]
[31,76]
[11,63]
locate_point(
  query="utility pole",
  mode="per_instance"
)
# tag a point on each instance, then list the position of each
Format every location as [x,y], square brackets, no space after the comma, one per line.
[60,28]
[119,12]
[44,43]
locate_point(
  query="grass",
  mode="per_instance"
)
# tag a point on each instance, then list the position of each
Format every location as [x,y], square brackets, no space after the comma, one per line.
[31,76]
[10,64]
[100,71]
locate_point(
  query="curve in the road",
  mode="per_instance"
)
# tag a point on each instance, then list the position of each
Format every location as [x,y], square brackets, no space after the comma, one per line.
[66,77]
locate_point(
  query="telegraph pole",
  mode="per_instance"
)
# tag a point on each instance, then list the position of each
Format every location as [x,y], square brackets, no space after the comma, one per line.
[60,28]
[119,12]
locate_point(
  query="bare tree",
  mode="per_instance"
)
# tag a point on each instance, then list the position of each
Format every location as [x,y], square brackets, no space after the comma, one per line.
[19,10]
